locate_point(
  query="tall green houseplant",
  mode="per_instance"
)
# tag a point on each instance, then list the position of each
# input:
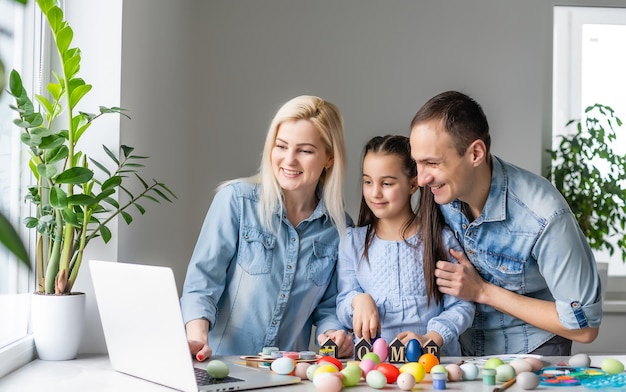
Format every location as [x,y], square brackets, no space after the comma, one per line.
[73,192]
[592,178]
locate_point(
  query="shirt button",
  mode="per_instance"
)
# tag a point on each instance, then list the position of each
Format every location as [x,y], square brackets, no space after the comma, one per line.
[273,322]
[282,295]
[289,266]
[464,226]
[293,239]
[503,269]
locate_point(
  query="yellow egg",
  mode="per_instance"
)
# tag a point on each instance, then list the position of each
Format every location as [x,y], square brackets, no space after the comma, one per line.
[416,369]
[325,368]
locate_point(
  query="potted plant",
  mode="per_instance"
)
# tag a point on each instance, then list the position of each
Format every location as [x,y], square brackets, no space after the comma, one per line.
[72,193]
[592,178]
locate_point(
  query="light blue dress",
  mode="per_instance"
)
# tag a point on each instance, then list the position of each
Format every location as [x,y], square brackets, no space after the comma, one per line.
[394,277]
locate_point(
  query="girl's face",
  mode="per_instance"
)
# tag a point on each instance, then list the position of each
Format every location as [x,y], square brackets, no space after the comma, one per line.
[387,189]
[299,156]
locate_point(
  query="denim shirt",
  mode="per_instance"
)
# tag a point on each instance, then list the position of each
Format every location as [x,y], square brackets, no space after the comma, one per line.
[259,288]
[394,276]
[527,241]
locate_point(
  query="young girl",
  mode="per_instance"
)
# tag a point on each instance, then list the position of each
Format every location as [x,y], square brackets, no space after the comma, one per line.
[386,267]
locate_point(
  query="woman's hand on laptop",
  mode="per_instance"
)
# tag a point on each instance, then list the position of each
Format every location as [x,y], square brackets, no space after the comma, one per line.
[198,339]
[345,346]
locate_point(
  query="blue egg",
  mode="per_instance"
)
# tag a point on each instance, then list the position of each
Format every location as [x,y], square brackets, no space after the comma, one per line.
[413,350]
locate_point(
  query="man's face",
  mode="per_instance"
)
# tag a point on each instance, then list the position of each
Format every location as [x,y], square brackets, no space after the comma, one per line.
[439,166]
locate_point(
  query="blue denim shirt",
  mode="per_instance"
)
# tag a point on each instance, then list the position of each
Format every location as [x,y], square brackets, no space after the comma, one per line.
[257,288]
[527,241]
[394,276]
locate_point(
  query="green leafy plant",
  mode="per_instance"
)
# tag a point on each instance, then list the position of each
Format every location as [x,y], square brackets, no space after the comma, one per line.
[592,178]
[73,201]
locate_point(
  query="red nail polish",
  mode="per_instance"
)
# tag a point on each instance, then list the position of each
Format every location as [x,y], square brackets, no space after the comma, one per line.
[200,357]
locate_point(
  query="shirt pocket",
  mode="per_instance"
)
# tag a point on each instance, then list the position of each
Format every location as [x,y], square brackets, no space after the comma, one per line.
[255,251]
[322,263]
[506,272]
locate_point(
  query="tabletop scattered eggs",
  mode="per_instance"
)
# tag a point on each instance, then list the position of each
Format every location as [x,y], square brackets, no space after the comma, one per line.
[415,369]
[536,363]
[580,360]
[470,371]
[376,379]
[380,348]
[612,366]
[328,382]
[283,365]
[505,372]
[405,381]
[217,369]
[521,365]
[351,375]
[454,372]
[527,380]
[301,370]
[413,350]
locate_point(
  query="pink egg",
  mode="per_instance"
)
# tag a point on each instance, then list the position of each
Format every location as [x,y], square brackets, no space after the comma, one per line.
[454,372]
[366,365]
[380,348]
[535,363]
[301,368]
[328,382]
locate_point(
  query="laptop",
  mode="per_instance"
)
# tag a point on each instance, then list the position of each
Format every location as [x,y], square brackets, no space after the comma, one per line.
[145,335]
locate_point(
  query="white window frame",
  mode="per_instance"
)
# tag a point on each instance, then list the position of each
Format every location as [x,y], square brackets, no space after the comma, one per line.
[567,97]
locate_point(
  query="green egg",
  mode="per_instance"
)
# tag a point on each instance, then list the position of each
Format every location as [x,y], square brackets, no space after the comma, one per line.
[351,375]
[373,356]
[612,366]
[217,369]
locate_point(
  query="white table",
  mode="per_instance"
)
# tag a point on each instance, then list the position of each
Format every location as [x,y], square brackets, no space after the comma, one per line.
[94,373]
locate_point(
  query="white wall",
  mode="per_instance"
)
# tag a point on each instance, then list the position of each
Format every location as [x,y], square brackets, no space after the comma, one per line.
[202,80]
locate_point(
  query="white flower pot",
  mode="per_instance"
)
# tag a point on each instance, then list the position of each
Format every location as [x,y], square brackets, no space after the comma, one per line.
[57,323]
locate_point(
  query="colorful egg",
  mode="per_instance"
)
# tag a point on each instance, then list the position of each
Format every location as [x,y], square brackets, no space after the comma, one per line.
[454,372]
[521,365]
[329,359]
[415,369]
[301,369]
[351,375]
[283,365]
[381,349]
[217,369]
[580,360]
[470,371]
[328,383]
[390,371]
[376,379]
[324,368]
[413,350]
[536,363]
[373,356]
[405,381]
[310,371]
[612,366]
[367,365]
[505,372]
[493,363]
[527,380]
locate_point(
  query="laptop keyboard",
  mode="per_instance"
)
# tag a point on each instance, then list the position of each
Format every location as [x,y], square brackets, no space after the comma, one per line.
[203,378]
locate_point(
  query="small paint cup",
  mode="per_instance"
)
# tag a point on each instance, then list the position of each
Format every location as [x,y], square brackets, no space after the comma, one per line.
[439,380]
[489,376]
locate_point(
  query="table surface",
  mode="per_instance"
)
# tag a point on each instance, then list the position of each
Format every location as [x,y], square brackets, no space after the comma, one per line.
[94,373]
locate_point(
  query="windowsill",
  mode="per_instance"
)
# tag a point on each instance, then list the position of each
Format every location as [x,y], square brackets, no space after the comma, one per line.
[16,355]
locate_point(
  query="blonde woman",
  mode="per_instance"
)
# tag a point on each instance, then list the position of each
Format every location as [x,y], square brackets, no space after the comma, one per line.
[262,272]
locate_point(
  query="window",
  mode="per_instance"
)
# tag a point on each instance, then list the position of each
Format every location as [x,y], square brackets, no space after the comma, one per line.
[589,64]
[16,49]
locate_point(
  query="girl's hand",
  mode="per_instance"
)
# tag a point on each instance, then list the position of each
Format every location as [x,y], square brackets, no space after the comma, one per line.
[345,347]
[365,320]
[405,336]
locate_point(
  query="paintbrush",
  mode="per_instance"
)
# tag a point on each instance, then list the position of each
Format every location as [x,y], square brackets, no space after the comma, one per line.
[505,385]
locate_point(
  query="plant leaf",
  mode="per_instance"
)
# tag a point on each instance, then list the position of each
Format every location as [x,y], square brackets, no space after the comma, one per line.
[12,241]
[74,175]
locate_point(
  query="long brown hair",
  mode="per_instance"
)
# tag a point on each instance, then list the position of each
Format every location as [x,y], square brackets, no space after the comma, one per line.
[427,213]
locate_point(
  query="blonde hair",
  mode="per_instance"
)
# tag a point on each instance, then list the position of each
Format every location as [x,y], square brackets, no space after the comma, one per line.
[327,119]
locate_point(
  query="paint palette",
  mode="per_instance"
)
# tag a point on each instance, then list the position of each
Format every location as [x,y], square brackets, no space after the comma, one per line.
[567,375]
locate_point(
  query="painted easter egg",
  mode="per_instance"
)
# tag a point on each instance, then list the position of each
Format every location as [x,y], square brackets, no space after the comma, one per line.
[283,365]
[328,382]
[381,349]
[351,375]
[301,369]
[470,371]
[415,369]
[505,372]
[405,381]
[376,379]
[580,360]
[521,365]
[217,369]
[454,372]
[367,365]
[527,380]
[413,350]
[612,366]
[390,371]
